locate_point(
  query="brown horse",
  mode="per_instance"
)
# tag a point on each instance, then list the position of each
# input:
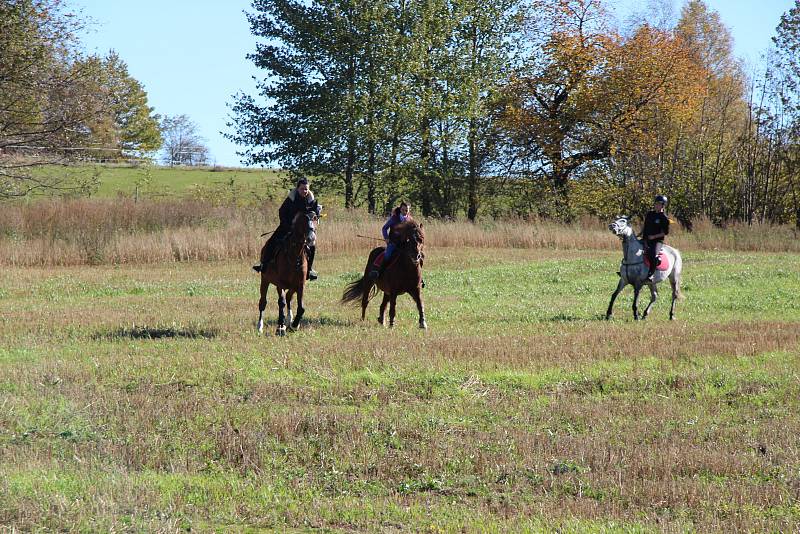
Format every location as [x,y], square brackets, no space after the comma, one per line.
[288,272]
[402,275]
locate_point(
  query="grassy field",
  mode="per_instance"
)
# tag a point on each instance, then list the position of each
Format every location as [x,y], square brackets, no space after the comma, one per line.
[139,397]
[155,181]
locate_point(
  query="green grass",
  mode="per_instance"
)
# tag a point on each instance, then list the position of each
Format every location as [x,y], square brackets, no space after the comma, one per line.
[140,398]
[180,181]
[154,181]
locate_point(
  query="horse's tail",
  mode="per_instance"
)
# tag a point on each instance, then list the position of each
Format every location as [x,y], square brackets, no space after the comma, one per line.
[356,290]
[364,287]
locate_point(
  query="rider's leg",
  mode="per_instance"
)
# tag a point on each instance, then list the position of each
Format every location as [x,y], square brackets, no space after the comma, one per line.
[376,273]
[312,274]
[268,251]
[650,250]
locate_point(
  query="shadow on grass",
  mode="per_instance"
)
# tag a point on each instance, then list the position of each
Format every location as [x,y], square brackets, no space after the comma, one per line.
[564,318]
[314,322]
[147,332]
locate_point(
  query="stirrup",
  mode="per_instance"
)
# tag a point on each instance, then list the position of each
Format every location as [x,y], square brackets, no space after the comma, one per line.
[257,267]
[311,275]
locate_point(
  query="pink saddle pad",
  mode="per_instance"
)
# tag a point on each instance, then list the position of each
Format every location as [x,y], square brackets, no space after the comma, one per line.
[663,266]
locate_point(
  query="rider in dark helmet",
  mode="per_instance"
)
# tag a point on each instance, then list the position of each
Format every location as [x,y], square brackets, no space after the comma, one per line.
[299,200]
[656,228]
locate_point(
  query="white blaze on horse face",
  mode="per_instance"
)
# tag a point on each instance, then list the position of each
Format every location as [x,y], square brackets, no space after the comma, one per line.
[619,226]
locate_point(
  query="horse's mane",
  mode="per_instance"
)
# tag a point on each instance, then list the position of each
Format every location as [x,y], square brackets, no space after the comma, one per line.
[408,227]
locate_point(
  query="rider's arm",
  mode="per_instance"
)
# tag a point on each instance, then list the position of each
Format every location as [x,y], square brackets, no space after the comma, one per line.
[664,230]
[386,228]
[285,212]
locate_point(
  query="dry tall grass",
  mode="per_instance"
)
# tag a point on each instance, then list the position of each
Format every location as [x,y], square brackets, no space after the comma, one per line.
[79,232]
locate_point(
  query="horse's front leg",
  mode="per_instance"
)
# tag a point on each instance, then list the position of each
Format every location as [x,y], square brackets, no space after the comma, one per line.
[289,296]
[300,309]
[392,306]
[416,294]
[382,313]
[653,297]
[281,331]
[622,283]
[636,289]
[262,304]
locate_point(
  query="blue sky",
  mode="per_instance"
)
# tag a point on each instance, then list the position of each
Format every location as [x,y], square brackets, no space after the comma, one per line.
[190,55]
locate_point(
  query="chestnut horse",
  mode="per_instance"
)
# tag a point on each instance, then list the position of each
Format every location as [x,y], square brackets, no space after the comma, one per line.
[402,275]
[288,272]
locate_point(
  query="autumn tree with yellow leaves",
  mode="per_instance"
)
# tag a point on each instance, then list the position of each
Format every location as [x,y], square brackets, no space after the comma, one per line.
[589,94]
[526,107]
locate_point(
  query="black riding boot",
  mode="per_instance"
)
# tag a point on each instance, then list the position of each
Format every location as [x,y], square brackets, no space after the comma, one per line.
[311,274]
[377,272]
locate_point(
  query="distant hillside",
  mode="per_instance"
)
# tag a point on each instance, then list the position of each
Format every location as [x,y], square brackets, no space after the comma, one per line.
[155,181]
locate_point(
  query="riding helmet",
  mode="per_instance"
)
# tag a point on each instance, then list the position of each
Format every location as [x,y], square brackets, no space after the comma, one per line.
[661,198]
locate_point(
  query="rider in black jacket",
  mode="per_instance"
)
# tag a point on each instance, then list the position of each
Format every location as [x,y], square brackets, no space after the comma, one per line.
[656,228]
[299,200]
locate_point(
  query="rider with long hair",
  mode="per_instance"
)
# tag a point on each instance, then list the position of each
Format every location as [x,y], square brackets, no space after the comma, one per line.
[299,200]
[656,228]
[400,214]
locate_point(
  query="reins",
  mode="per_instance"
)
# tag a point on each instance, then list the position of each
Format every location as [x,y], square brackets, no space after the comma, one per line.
[626,263]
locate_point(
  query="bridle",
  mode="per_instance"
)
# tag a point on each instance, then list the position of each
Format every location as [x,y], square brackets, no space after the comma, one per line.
[615,227]
[414,253]
[309,236]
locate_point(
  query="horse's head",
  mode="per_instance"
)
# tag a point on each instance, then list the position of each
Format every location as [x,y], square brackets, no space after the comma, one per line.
[304,227]
[411,239]
[621,227]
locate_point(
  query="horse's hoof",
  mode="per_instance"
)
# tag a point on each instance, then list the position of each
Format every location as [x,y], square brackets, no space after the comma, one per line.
[281,331]
[423,325]
[381,322]
[608,317]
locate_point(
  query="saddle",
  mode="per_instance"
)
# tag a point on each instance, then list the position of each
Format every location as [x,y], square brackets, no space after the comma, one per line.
[379,260]
[662,262]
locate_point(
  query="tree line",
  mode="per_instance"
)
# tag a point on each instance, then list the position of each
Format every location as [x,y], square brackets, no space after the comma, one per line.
[58,104]
[528,107]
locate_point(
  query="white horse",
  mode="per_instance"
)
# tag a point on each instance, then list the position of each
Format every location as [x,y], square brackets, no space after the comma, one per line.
[634,271]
